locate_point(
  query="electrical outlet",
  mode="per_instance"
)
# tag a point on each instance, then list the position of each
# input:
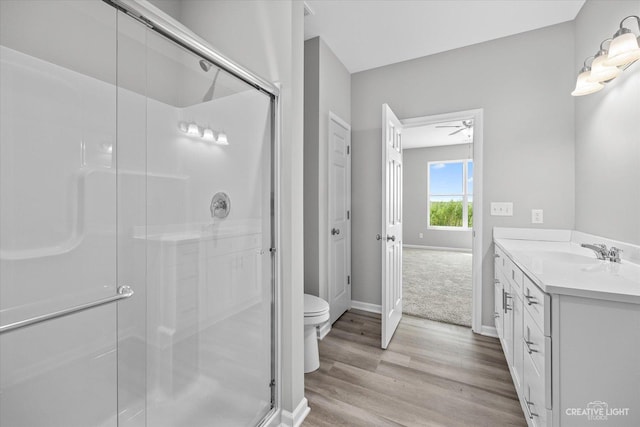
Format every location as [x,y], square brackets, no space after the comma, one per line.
[502,208]
[537,216]
[421,235]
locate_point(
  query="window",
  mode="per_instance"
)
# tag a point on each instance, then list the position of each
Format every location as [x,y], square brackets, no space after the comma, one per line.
[450,194]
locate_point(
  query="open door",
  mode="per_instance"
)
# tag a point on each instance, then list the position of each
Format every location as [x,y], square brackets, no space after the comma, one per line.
[391,224]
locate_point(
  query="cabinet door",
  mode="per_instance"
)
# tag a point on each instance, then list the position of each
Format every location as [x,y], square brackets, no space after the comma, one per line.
[498,308]
[508,324]
[518,345]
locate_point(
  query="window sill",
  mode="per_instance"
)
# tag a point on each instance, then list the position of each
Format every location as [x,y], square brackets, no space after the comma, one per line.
[430,227]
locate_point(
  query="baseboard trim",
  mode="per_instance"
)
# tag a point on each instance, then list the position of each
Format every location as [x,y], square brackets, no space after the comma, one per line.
[438,248]
[489,331]
[323,329]
[295,418]
[365,306]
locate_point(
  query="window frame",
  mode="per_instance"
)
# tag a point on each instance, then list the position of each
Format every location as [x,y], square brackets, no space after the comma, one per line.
[465,196]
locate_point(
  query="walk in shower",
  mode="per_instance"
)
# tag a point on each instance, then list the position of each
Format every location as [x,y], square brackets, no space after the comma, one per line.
[137,221]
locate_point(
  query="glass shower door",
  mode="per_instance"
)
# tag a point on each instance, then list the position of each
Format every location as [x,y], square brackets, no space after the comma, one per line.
[203,330]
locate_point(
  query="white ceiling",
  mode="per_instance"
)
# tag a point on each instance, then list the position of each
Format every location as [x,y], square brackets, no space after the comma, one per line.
[433,136]
[367,34]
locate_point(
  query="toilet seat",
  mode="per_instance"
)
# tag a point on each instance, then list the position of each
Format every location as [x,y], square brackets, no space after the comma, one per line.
[314,306]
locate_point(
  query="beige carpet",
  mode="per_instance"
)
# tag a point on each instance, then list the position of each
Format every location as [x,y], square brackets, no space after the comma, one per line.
[436,285]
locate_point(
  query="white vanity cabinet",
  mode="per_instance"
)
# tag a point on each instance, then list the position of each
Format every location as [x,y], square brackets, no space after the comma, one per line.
[523,320]
[569,325]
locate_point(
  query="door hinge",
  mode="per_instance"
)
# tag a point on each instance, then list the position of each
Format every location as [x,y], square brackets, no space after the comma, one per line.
[348,215]
[348,280]
[348,149]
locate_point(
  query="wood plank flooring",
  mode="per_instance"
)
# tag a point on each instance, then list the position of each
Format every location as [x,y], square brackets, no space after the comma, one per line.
[432,374]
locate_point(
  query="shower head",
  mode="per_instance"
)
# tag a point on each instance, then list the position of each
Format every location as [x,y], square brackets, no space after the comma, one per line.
[206,66]
[208,96]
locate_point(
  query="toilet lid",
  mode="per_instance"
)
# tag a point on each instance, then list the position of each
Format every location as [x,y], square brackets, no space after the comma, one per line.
[314,305]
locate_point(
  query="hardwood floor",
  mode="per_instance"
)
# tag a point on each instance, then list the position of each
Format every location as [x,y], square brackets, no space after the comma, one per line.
[432,374]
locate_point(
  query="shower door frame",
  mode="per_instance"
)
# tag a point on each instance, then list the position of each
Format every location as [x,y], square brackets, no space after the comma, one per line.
[169,28]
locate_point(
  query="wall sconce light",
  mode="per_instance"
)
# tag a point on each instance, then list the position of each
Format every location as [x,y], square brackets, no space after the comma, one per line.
[600,71]
[207,134]
[625,47]
[222,139]
[607,64]
[584,84]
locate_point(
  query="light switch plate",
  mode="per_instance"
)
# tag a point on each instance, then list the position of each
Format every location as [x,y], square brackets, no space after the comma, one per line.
[502,208]
[537,216]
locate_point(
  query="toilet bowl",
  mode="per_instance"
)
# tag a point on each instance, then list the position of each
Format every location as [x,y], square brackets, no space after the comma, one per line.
[316,312]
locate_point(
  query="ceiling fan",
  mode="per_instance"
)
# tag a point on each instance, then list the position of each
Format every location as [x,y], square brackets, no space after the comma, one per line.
[466,124]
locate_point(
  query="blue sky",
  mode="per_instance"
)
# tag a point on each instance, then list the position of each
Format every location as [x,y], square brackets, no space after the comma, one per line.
[446,178]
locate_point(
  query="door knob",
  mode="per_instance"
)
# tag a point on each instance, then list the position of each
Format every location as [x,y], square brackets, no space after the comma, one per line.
[392,238]
[335,231]
[378,237]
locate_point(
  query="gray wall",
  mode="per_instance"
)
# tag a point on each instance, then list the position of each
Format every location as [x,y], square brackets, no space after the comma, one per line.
[267,37]
[414,197]
[327,88]
[608,133]
[523,83]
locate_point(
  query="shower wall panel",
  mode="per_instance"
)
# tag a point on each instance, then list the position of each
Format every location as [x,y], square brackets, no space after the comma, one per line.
[57,212]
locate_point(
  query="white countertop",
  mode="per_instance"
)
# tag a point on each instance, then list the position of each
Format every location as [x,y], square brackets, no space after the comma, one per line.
[563,267]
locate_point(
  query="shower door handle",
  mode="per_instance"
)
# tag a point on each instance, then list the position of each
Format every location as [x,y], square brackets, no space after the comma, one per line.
[123,293]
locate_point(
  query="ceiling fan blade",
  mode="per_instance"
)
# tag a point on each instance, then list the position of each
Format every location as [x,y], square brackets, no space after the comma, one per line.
[456,131]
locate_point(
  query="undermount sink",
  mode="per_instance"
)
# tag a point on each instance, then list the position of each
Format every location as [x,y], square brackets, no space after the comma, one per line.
[565,257]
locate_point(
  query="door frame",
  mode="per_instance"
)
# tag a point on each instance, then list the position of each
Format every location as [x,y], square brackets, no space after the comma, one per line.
[335,118]
[478,134]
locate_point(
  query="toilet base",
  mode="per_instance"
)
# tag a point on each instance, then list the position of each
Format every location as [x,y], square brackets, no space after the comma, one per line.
[311,357]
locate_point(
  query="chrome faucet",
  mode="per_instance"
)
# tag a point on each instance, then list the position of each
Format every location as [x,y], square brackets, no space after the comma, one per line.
[614,254]
[599,248]
[218,204]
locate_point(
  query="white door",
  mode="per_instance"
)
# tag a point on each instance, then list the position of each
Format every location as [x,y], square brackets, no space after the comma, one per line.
[339,217]
[391,224]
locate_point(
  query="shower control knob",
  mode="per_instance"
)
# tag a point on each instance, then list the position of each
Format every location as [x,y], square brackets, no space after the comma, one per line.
[335,231]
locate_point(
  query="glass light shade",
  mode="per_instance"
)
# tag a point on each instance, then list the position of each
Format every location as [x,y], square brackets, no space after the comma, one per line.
[623,50]
[193,129]
[222,139]
[207,135]
[601,72]
[584,86]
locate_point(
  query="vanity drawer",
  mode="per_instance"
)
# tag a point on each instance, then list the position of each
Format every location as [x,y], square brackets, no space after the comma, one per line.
[538,304]
[514,275]
[499,261]
[533,394]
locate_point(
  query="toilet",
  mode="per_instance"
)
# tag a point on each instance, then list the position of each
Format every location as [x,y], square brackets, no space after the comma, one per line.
[316,312]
